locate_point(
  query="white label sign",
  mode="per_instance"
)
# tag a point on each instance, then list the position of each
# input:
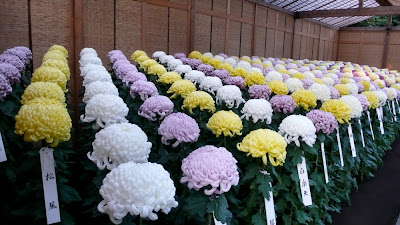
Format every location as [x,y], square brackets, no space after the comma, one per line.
[324,162]
[49,186]
[304,182]
[270,209]
[351,137]
[216,222]
[362,133]
[379,111]
[340,147]
[370,125]
[398,106]
[3,156]
[394,111]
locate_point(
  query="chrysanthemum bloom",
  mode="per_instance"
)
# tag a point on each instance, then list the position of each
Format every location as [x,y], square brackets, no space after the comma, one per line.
[165,59]
[237,81]
[380,83]
[194,63]
[156,70]
[254,78]
[221,73]
[169,77]
[183,69]
[43,119]
[117,57]
[334,93]
[47,90]
[226,66]
[195,76]
[156,105]
[87,51]
[338,108]
[223,55]
[158,54]
[205,58]
[138,189]
[13,60]
[257,109]
[307,83]
[113,53]
[93,76]
[20,54]
[210,166]
[59,65]
[382,97]
[294,84]
[26,51]
[92,67]
[55,55]
[318,80]
[283,103]
[304,98]
[89,59]
[119,143]
[295,126]
[328,81]
[200,99]
[214,62]
[99,87]
[342,88]
[363,101]
[195,55]
[141,59]
[210,84]
[147,63]
[392,93]
[181,88]
[300,76]
[10,72]
[60,48]
[180,127]
[173,63]
[278,87]
[132,76]
[231,61]
[321,92]
[50,74]
[206,69]
[231,95]
[145,89]
[105,110]
[354,104]
[226,122]
[136,54]
[123,69]
[259,91]
[360,87]
[323,121]
[353,88]
[5,88]
[261,142]
[179,55]
[239,71]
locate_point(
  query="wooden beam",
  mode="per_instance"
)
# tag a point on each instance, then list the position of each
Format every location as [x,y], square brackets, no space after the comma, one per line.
[386,48]
[385,10]
[384,2]
[271,6]
[361,4]
[367,28]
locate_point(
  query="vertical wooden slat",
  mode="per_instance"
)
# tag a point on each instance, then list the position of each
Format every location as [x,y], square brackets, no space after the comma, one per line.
[128,22]
[253,41]
[228,12]
[143,42]
[177,31]
[192,12]
[319,42]
[386,48]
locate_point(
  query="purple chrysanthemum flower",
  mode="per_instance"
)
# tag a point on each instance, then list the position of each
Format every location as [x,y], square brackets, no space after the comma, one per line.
[312,67]
[185,61]
[120,62]
[238,81]
[334,93]
[267,70]
[360,87]
[374,84]
[318,74]
[132,76]
[124,69]
[10,72]
[145,89]
[223,55]
[156,105]
[259,91]
[114,52]
[357,79]
[19,53]
[363,100]
[285,76]
[386,92]
[5,88]
[179,126]
[27,51]
[179,55]
[336,80]
[387,84]
[307,83]
[13,60]
[206,69]
[221,73]
[256,65]
[116,55]
[194,63]
[283,103]
[339,74]
[323,121]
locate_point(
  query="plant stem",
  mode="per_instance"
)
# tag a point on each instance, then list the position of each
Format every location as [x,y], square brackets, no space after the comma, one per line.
[140,221]
[210,219]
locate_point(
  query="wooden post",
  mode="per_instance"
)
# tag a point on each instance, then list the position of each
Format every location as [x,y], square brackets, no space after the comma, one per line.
[253,41]
[192,12]
[337,46]
[319,41]
[386,45]
[143,40]
[294,30]
[228,12]
[361,4]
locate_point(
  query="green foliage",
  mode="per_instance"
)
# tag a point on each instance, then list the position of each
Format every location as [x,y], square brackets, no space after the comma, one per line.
[378,21]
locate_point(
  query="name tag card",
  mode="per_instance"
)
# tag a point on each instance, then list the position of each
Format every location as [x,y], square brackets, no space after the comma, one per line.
[304,182]
[340,147]
[362,133]
[3,156]
[370,125]
[324,162]
[351,137]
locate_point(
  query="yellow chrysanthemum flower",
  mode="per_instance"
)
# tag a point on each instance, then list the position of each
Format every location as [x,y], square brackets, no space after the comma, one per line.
[182,88]
[226,122]
[344,80]
[239,71]
[254,78]
[195,55]
[55,54]
[365,84]
[43,118]
[142,58]
[338,108]
[50,74]
[157,70]
[214,62]
[59,65]
[304,98]
[342,89]
[317,80]
[261,142]
[147,63]
[285,71]
[226,66]
[299,76]
[347,70]
[380,83]
[372,99]
[256,61]
[397,86]
[199,99]
[278,87]
[204,58]
[246,58]
[47,90]
[373,76]
[169,77]
[60,48]
[137,54]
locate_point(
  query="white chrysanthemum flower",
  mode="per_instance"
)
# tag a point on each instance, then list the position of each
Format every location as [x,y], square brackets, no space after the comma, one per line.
[333,76]
[392,92]
[294,84]
[328,81]
[96,75]
[321,92]
[348,75]
[91,67]
[353,88]
[158,54]
[305,68]
[382,97]
[230,61]
[323,68]
[231,95]
[85,51]
[220,58]
[295,126]
[244,64]
[279,67]
[119,143]
[255,69]
[182,69]
[195,76]
[270,59]
[257,109]
[210,84]
[173,63]
[166,58]
[99,87]
[372,88]
[273,75]
[209,54]
[309,75]
[89,59]
[292,65]
[300,61]
[355,105]
[105,110]
[138,189]
[292,71]
[267,63]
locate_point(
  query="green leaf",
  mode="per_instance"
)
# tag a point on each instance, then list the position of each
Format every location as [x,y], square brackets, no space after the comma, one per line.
[219,206]
[196,204]
[258,219]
